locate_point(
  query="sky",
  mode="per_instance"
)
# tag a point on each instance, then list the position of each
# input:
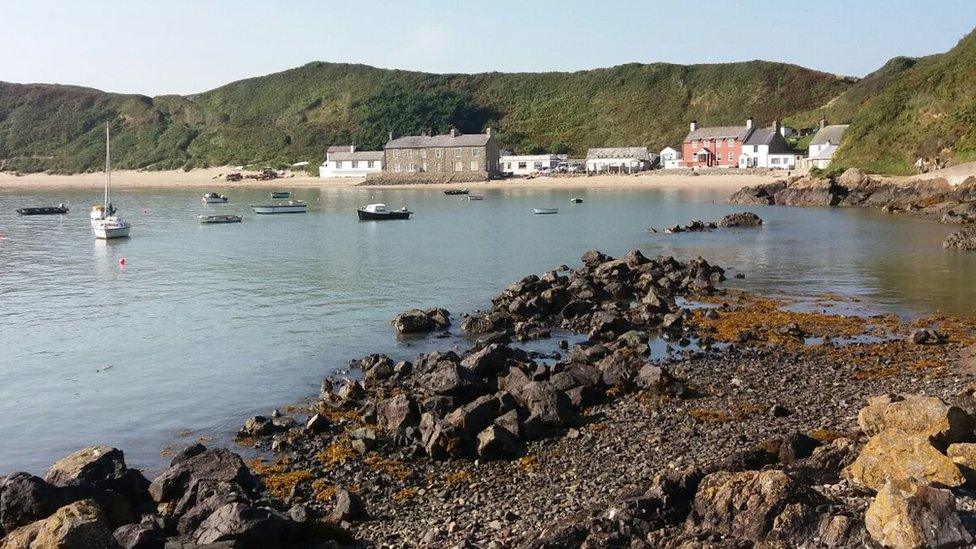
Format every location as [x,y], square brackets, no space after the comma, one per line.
[187,46]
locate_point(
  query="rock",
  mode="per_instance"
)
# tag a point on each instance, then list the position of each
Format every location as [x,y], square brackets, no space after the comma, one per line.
[440,317]
[674,492]
[376,367]
[915,414]
[964,240]
[758,195]
[351,391]
[245,526]
[926,336]
[493,359]
[741,219]
[755,506]
[25,498]
[657,379]
[348,506]
[317,423]
[218,465]
[811,192]
[100,468]
[963,454]
[497,442]
[397,413]
[450,379]
[899,456]
[796,446]
[257,426]
[593,258]
[910,515]
[852,177]
[825,464]
[416,321]
[77,525]
[552,407]
[145,535]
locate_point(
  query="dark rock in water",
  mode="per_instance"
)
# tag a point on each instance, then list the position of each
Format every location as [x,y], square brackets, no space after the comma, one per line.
[25,498]
[497,442]
[348,506]
[416,321]
[145,535]
[257,426]
[245,526]
[593,258]
[758,195]
[811,192]
[964,239]
[741,219]
[440,317]
[492,359]
[397,413]
[218,464]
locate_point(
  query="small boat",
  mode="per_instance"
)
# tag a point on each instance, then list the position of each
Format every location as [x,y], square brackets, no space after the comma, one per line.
[292,206]
[105,223]
[214,198]
[280,194]
[60,209]
[456,191]
[545,211]
[378,212]
[576,200]
[210,219]
[475,197]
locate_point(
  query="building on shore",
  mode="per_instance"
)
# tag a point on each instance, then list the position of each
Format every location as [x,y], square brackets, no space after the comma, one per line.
[736,147]
[670,158]
[824,144]
[448,153]
[766,148]
[527,164]
[346,161]
[619,160]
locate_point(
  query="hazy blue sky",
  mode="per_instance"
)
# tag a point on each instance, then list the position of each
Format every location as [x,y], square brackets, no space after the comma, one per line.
[185,46]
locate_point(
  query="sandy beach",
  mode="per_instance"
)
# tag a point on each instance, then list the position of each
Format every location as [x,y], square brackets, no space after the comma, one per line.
[214,177]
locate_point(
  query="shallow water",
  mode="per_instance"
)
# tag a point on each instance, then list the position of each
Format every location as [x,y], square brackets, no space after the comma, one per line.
[206,325]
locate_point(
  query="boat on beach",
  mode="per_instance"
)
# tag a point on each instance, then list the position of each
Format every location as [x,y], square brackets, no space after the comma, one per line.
[213,219]
[378,212]
[60,209]
[292,206]
[280,194]
[545,211]
[452,192]
[214,198]
[105,221]
[475,197]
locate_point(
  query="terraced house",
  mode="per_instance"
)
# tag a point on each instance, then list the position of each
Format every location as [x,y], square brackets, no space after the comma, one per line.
[448,153]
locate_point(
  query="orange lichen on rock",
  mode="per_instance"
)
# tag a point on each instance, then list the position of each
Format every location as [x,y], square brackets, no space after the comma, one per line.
[278,478]
[392,468]
[336,453]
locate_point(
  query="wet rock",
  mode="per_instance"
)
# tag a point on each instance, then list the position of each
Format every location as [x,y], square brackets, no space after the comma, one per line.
[397,413]
[77,525]
[245,526]
[376,367]
[25,498]
[257,426]
[741,219]
[910,514]
[348,506]
[416,321]
[100,468]
[496,442]
[493,360]
[897,455]
[964,240]
[758,195]
[593,258]
[217,465]
[916,414]
[145,535]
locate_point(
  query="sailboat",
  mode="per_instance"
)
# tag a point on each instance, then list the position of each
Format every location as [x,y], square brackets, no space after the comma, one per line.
[104,221]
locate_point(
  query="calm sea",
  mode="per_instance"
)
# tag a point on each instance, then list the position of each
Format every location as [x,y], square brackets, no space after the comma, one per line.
[206,325]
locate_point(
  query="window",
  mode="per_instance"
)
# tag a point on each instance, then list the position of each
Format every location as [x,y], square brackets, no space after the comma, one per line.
[338,164]
[474,166]
[731,141]
[396,167]
[730,156]
[423,153]
[537,165]
[474,152]
[412,167]
[440,166]
[369,163]
[396,153]
[457,153]
[694,144]
[409,154]
[423,168]
[522,165]
[355,164]
[774,160]
[438,153]
[508,165]
[459,166]
[755,148]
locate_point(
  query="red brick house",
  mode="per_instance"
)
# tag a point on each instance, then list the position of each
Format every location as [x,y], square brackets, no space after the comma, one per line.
[718,146]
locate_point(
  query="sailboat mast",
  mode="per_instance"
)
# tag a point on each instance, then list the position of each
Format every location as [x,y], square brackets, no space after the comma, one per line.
[108,165]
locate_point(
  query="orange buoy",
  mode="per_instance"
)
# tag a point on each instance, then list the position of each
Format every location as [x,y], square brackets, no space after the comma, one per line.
[122,262]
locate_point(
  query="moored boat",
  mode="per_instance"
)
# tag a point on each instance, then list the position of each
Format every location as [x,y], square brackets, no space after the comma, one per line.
[475,197]
[280,194]
[60,209]
[545,211]
[576,200]
[456,191]
[212,219]
[105,222]
[378,212]
[292,206]
[214,198]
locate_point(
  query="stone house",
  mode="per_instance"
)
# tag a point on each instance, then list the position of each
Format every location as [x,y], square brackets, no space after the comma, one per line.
[449,153]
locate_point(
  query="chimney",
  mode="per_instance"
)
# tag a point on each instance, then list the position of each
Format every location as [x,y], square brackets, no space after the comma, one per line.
[749,123]
[454,132]
[488,131]
[823,121]
[391,136]
[776,126]
[352,148]
[694,125]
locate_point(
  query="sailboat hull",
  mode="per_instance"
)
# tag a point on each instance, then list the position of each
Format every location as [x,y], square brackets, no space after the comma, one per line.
[106,234]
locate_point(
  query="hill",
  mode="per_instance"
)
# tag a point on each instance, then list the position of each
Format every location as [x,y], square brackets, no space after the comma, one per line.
[294,115]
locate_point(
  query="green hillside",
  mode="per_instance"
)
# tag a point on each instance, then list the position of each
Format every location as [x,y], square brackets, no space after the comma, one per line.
[927,110]
[294,115]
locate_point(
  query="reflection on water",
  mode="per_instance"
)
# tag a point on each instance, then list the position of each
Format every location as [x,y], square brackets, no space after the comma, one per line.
[208,323]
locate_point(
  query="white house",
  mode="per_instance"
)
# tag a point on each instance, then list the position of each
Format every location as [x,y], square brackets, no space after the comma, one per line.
[619,160]
[526,164]
[346,161]
[824,143]
[766,148]
[670,158]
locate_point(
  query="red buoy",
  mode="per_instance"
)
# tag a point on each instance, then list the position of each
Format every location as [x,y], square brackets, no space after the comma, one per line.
[122,262]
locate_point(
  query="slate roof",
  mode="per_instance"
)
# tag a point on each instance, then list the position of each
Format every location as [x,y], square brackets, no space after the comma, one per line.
[444,140]
[339,148]
[719,132]
[830,135]
[640,153]
[358,155]
[768,136]
[825,154]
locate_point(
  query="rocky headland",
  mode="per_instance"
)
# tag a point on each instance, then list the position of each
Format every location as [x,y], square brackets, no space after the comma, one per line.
[626,402]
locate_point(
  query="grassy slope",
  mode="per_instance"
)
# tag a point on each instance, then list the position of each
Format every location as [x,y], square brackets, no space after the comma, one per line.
[294,115]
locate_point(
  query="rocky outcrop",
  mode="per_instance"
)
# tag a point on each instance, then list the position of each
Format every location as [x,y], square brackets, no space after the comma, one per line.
[916,415]
[81,524]
[416,321]
[899,456]
[910,514]
[741,219]
[964,240]
[759,195]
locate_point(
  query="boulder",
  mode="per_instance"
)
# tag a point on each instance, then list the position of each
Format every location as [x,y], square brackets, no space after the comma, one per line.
[916,414]
[552,407]
[910,515]
[100,468]
[741,219]
[758,195]
[899,456]
[317,423]
[852,177]
[348,506]
[593,258]
[145,535]
[376,367]
[497,442]
[244,526]
[825,464]
[440,317]
[397,412]
[755,506]
[926,336]
[257,426]
[450,379]
[674,492]
[475,415]
[964,240]
[493,359]
[963,454]
[77,525]
[416,321]
[656,379]
[218,464]
[25,498]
